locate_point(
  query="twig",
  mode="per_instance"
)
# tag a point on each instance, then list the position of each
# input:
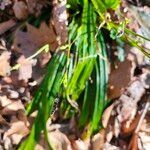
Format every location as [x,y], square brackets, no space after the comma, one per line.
[142,116]
[44,48]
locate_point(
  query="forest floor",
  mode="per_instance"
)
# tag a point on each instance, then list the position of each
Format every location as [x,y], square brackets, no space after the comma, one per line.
[24,28]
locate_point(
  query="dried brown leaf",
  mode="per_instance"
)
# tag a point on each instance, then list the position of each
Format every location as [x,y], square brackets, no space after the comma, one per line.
[13,107]
[18,128]
[80,144]
[59,14]
[5,26]
[128,130]
[120,77]
[4,64]
[9,105]
[4,125]
[145,140]
[44,59]
[28,42]
[4,101]
[4,3]
[133,143]
[98,140]
[132,95]
[109,146]
[35,6]
[25,69]
[20,10]
[59,141]
[106,115]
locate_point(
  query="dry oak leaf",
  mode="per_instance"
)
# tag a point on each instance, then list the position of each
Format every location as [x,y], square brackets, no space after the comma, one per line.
[28,42]
[4,64]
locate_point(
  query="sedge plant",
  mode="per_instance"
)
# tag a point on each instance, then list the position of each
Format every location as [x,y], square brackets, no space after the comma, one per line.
[78,73]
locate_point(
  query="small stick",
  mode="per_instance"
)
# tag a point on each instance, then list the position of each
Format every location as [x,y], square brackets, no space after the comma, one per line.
[44,48]
[142,117]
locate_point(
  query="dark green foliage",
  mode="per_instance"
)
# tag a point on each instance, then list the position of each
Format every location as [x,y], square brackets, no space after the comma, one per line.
[81,70]
[44,99]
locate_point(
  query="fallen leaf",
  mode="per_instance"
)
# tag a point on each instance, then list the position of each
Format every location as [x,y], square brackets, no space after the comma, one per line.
[42,144]
[132,95]
[4,64]
[120,77]
[109,146]
[4,3]
[13,107]
[106,115]
[59,141]
[44,59]
[128,130]
[25,69]
[5,26]
[35,6]
[59,15]
[16,138]
[7,143]
[79,144]
[9,106]
[29,42]
[20,10]
[19,128]
[4,125]
[98,140]
[4,101]
[3,44]
[145,139]
[13,94]
[134,142]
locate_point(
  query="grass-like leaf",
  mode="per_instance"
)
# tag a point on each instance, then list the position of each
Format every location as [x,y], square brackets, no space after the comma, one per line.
[45,100]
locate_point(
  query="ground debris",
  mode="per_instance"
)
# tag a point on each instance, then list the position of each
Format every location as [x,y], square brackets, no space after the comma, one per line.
[5,26]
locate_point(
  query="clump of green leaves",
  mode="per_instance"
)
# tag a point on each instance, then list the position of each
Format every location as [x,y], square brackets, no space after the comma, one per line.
[79,74]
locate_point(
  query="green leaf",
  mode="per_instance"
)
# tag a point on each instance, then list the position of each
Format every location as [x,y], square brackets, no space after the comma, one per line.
[51,87]
[101,6]
[112,4]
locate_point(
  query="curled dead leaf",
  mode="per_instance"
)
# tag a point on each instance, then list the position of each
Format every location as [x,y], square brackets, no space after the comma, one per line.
[106,115]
